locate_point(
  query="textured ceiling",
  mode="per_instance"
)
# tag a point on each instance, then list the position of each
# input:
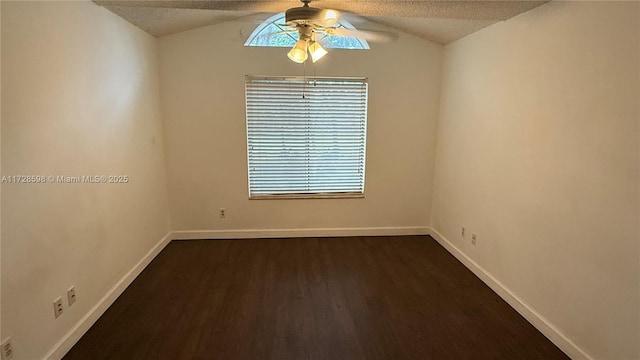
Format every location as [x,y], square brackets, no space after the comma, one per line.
[166,21]
[438,21]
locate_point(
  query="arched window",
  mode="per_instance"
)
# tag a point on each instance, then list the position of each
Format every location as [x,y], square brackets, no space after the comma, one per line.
[265,35]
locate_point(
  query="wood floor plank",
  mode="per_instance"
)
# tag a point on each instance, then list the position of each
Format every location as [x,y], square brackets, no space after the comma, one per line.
[401,297]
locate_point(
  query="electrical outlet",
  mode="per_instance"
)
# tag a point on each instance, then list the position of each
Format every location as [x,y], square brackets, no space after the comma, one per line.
[71,295]
[474,239]
[57,307]
[7,350]
[462,231]
[223,213]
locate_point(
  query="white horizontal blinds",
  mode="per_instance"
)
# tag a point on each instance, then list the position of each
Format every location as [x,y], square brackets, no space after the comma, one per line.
[311,144]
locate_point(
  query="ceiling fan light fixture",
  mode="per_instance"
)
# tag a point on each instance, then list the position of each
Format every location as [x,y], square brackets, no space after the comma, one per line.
[299,52]
[316,51]
[330,17]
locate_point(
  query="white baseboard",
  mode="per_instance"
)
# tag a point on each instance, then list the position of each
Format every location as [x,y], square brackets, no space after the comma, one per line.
[286,233]
[537,320]
[82,326]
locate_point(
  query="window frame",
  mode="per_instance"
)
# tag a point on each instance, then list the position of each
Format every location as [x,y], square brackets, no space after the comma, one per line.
[318,195]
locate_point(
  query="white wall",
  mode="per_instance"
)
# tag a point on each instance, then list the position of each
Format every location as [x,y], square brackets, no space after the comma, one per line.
[538,154]
[80,96]
[202,77]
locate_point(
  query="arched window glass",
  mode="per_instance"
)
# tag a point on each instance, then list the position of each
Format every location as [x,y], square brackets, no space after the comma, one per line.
[270,33]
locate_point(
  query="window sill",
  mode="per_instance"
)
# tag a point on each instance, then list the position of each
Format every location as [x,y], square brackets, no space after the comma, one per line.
[306,196]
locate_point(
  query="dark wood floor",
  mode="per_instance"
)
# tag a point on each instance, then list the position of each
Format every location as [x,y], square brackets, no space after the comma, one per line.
[328,298]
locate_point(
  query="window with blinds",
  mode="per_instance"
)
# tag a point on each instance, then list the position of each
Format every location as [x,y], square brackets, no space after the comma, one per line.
[306,138]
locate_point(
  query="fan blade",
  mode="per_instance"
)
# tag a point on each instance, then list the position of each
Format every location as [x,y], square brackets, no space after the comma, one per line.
[362,34]
[272,6]
[425,9]
[284,32]
[268,35]
[462,9]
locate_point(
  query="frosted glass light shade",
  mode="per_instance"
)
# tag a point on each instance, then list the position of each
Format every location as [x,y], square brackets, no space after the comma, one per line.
[330,17]
[299,52]
[317,51]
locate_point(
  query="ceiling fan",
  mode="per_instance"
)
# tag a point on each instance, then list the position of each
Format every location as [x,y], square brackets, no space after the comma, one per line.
[308,21]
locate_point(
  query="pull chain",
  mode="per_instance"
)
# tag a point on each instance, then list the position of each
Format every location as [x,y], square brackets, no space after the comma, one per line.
[314,74]
[304,78]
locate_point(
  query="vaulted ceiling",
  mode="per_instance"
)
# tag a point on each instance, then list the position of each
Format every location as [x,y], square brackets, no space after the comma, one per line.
[438,21]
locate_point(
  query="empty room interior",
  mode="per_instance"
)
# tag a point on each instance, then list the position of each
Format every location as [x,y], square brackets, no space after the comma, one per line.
[277,179]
